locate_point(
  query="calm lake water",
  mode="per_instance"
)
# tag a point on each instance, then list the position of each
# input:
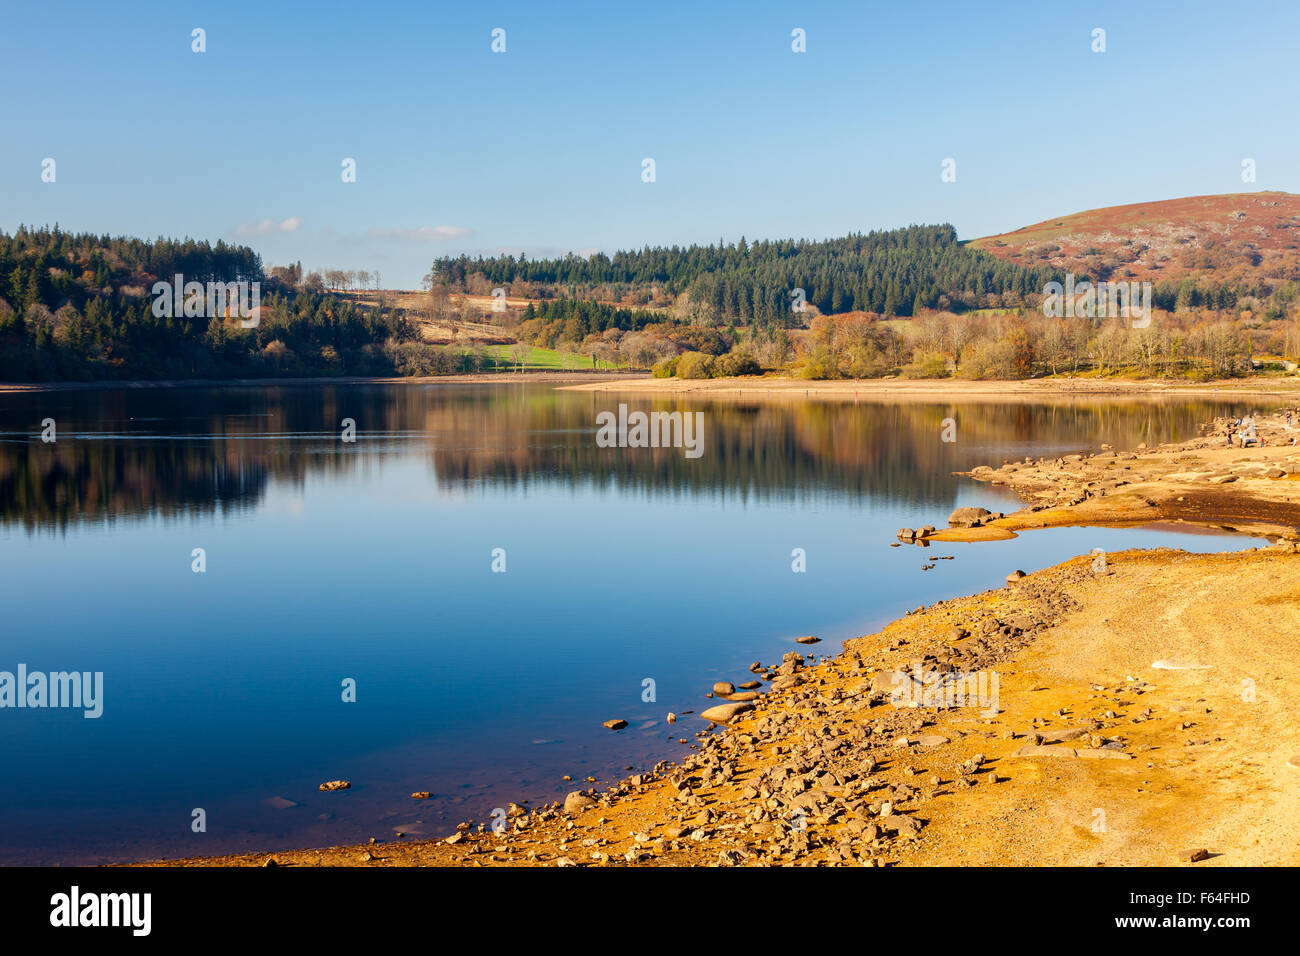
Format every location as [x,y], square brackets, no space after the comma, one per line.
[373,560]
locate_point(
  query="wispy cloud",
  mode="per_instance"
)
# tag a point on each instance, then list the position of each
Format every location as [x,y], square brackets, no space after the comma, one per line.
[423,234]
[268,226]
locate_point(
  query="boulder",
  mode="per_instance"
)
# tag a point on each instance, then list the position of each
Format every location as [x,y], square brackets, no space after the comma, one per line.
[1063,736]
[725,713]
[968,517]
[1033,750]
[901,686]
[577,801]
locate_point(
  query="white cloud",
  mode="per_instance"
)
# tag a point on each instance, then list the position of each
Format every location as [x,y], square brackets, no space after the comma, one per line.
[423,234]
[268,226]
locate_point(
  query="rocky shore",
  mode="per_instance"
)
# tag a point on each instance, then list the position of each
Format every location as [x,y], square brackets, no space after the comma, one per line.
[1206,480]
[1132,711]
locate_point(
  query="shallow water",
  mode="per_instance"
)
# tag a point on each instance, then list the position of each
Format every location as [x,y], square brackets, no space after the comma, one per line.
[372,560]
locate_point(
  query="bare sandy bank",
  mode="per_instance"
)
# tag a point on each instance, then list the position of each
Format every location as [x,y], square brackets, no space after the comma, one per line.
[942,390]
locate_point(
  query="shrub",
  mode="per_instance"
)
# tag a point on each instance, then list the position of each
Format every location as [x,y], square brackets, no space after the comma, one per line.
[821,364]
[665,368]
[735,363]
[926,365]
[695,365]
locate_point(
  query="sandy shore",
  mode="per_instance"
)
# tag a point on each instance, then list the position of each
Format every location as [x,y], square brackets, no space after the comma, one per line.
[1135,712]
[944,390]
[947,390]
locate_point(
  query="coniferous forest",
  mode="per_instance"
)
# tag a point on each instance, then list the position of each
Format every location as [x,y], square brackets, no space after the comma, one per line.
[79,307]
[897,272]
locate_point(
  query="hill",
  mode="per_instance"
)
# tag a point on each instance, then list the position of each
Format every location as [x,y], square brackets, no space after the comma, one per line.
[1241,239]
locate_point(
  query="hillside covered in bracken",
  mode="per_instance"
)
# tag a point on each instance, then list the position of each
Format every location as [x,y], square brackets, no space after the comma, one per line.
[1232,238]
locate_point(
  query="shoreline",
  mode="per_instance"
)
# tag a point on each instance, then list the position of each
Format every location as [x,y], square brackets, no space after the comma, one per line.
[748,387]
[947,389]
[475,378]
[1118,690]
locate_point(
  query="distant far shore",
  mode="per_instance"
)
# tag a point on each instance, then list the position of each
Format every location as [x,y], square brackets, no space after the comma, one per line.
[948,389]
[475,378]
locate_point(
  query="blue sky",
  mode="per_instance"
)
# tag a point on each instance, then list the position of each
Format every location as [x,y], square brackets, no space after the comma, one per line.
[540,148]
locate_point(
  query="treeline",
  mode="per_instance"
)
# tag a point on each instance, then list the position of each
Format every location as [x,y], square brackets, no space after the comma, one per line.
[1179,295]
[896,272]
[53,267]
[80,307]
[637,338]
[1007,346]
[580,318]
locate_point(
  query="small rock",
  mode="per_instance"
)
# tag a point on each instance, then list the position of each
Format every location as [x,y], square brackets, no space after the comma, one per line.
[725,713]
[577,801]
[615,724]
[336,785]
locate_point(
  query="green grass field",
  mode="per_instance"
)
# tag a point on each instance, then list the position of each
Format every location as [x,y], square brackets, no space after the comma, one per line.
[545,360]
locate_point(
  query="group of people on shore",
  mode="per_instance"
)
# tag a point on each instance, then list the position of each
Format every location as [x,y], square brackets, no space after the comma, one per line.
[1244,431]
